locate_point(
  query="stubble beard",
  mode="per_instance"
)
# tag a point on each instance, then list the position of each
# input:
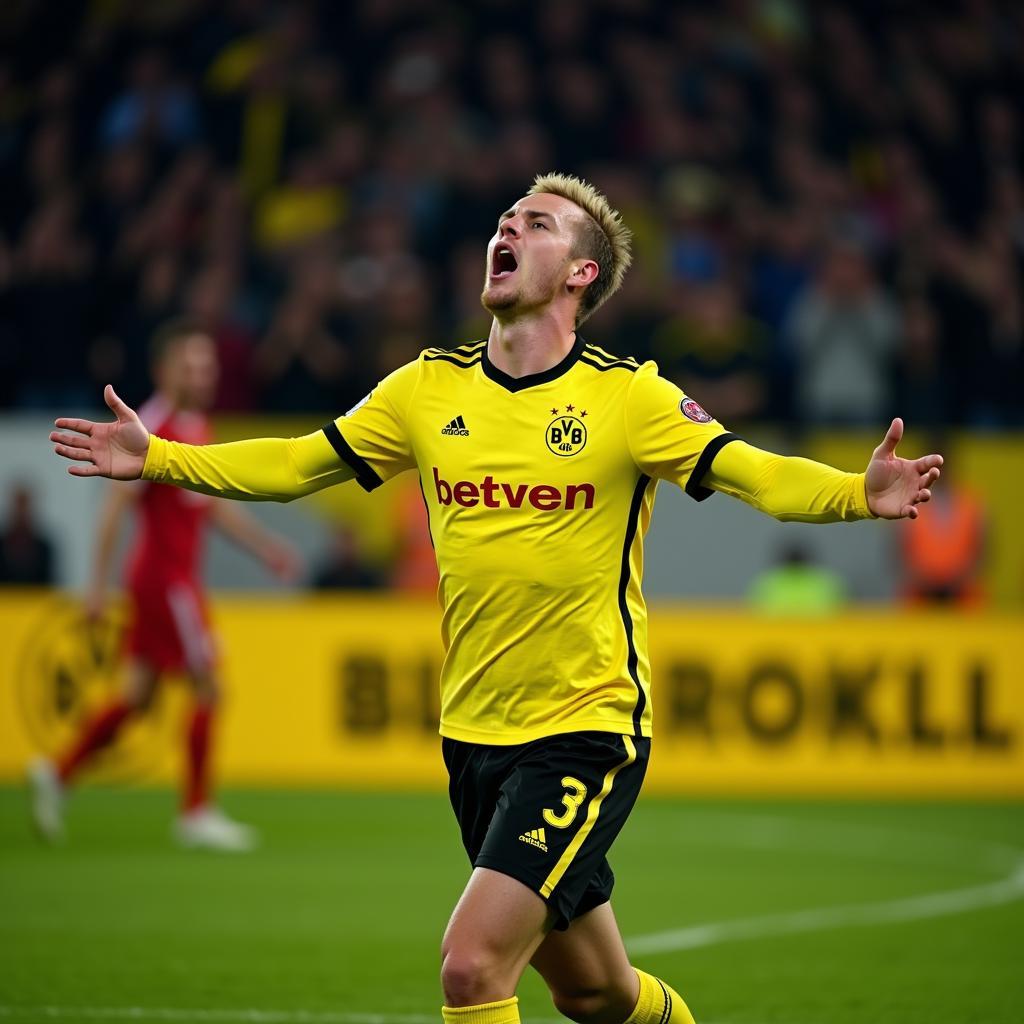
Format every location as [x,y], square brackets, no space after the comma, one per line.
[517,302]
[497,304]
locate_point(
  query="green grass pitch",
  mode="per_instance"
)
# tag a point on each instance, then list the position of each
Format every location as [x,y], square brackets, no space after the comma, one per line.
[338,917]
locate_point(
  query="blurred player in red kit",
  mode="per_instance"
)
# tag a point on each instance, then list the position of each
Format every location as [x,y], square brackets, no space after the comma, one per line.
[169,626]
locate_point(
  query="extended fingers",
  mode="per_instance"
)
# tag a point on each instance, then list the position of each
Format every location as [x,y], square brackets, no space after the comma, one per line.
[82,426]
[922,496]
[72,446]
[929,462]
[78,454]
[73,440]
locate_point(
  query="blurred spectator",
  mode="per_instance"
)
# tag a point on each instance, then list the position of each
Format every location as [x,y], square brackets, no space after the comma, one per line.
[924,397]
[400,328]
[152,109]
[942,552]
[53,305]
[305,207]
[299,363]
[343,566]
[48,167]
[466,317]
[714,351]
[415,568]
[157,299]
[26,554]
[797,586]
[211,301]
[844,332]
[193,159]
[696,244]
[386,252]
[120,195]
[578,91]
[505,77]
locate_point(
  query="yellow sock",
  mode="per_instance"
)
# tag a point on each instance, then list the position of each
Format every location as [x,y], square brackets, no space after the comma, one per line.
[505,1012]
[658,1003]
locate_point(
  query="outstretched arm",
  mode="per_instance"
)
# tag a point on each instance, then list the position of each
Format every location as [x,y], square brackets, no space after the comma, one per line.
[263,469]
[794,489]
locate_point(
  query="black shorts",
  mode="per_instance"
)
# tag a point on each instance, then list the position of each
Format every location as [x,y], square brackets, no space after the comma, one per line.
[547,812]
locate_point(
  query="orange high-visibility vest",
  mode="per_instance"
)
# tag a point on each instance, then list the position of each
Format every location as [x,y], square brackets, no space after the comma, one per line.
[416,568]
[941,548]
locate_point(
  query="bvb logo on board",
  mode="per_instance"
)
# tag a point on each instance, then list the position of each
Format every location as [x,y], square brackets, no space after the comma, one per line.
[68,669]
[567,435]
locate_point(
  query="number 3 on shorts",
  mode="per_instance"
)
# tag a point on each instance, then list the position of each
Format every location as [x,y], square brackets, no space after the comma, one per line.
[575,794]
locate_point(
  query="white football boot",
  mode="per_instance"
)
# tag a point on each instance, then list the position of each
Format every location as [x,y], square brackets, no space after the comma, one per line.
[47,799]
[210,828]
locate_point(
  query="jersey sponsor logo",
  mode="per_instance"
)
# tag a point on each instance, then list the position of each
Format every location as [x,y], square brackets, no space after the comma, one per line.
[491,493]
[457,428]
[535,837]
[695,411]
[566,435]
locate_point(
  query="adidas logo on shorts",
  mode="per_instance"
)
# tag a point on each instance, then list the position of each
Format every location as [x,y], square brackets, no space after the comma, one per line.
[535,837]
[457,428]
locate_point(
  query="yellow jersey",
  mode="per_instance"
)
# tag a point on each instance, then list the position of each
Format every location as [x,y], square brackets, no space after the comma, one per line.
[539,491]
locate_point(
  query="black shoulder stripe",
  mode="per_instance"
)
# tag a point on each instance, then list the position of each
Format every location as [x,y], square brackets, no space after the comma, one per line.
[471,348]
[607,357]
[447,357]
[694,487]
[620,364]
[366,475]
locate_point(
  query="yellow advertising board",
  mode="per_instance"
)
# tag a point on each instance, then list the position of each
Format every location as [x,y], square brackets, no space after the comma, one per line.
[343,690]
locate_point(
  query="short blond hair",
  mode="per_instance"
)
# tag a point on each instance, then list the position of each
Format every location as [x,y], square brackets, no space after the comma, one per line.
[602,238]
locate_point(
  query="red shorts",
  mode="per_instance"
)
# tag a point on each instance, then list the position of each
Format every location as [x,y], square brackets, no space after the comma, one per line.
[169,627]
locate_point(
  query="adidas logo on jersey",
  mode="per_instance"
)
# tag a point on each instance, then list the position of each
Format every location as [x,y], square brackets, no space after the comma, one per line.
[457,428]
[535,837]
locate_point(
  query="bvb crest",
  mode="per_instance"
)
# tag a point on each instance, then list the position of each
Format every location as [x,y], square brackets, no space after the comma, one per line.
[566,435]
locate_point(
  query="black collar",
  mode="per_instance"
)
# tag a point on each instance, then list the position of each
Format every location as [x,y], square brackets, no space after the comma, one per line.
[533,379]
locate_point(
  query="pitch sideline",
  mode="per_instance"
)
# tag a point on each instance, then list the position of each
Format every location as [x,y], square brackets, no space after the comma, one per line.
[1006,889]
[913,908]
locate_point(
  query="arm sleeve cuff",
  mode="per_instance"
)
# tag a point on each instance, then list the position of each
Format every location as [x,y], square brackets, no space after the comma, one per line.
[366,475]
[694,485]
[156,459]
[860,498]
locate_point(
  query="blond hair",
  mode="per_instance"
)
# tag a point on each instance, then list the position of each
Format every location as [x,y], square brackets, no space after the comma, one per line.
[602,237]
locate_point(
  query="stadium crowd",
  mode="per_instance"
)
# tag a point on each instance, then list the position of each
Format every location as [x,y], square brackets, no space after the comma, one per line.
[827,198]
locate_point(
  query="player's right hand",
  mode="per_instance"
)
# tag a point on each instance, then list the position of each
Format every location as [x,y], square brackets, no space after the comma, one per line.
[116,450]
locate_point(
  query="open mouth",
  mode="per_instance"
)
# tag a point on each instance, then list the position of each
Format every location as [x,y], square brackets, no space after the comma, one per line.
[503,262]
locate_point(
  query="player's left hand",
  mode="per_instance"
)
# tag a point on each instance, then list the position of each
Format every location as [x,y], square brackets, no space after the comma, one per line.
[895,486]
